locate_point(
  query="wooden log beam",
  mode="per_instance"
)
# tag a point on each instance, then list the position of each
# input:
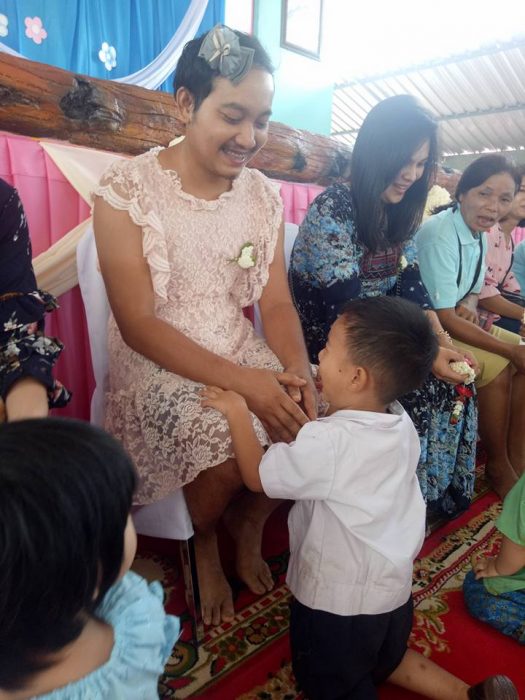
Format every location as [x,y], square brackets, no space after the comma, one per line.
[40,100]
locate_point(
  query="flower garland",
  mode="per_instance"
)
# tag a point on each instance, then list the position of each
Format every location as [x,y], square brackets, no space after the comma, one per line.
[463,394]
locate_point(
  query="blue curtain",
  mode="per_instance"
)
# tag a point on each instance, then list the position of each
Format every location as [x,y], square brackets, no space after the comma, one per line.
[70,34]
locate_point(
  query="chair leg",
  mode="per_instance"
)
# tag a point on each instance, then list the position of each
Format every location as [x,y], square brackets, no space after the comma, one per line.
[191,585]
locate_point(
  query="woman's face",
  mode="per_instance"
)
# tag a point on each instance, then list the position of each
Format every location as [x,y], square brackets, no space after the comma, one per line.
[483,206]
[231,124]
[408,174]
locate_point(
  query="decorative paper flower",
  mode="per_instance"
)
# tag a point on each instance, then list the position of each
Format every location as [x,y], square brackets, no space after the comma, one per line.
[246,257]
[403,262]
[108,55]
[35,29]
[4,31]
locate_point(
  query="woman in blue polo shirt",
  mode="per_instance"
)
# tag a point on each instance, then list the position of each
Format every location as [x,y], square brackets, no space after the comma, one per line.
[451,247]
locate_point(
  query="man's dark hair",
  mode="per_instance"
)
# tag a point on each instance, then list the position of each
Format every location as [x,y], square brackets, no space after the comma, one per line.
[388,138]
[195,74]
[393,339]
[65,496]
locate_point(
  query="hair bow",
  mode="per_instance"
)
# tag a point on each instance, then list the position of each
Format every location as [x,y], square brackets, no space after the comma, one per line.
[222,51]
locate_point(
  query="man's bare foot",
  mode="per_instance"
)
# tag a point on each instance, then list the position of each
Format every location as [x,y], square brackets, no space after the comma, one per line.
[247,533]
[501,480]
[215,592]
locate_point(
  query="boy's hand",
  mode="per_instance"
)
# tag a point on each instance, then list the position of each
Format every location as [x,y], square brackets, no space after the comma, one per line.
[484,567]
[224,401]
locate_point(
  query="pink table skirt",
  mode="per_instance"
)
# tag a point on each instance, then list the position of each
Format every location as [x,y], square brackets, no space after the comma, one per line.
[53,208]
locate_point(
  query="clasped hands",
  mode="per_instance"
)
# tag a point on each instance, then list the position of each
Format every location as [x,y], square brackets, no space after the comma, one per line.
[283,401]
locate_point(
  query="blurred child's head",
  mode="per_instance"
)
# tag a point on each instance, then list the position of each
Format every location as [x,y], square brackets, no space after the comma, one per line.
[378,350]
[65,536]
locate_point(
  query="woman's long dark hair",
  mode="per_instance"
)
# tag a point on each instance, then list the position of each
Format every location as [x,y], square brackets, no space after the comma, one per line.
[389,136]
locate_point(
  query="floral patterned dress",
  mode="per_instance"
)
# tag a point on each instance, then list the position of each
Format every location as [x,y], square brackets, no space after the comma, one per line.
[196,252]
[329,266]
[25,350]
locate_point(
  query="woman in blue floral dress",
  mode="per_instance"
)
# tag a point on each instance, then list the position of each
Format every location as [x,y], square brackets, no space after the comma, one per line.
[27,355]
[357,242]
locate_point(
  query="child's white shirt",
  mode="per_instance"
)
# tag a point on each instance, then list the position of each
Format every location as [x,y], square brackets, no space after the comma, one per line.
[359,517]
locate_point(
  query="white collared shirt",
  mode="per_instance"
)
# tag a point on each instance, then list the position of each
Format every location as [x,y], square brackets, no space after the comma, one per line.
[359,517]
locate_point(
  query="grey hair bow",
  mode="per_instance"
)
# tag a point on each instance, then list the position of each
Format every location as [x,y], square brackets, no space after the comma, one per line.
[222,51]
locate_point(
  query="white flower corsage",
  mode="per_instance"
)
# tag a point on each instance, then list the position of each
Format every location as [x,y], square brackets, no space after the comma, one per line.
[246,257]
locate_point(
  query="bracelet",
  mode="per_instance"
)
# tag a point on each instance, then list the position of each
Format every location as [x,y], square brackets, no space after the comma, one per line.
[445,333]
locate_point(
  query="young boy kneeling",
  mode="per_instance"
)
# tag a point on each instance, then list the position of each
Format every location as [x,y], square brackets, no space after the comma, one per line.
[359,517]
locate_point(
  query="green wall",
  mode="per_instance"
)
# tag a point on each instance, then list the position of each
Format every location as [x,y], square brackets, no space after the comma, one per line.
[303,88]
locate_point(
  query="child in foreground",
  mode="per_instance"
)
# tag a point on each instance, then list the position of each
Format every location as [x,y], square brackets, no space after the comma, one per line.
[495,590]
[75,623]
[359,517]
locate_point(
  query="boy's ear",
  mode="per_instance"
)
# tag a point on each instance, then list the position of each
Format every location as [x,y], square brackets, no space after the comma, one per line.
[360,378]
[185,104]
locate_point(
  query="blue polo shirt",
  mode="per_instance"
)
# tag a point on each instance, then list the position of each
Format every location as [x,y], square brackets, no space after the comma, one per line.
[438,242]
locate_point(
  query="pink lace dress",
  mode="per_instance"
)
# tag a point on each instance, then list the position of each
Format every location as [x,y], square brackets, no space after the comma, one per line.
[190,245]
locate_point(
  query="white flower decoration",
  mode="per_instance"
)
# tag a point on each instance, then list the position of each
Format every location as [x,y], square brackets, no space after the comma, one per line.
[463,367]
[11,325]
[4,31]
[108,55]
[458,408]
[246,257]
[403,262]
[12,349]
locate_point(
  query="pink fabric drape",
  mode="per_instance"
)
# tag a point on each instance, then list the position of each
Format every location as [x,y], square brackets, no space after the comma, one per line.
[297,197]
[53,208]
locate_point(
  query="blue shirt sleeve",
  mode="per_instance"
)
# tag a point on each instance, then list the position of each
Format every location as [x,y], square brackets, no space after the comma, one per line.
[437,252]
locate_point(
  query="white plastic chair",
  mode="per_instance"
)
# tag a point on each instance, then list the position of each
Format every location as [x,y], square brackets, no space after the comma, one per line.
[168,518]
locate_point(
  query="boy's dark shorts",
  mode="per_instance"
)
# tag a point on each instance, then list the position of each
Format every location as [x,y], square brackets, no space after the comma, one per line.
[336,657]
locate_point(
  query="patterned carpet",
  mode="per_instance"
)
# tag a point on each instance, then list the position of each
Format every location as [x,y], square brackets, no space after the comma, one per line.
[249,658]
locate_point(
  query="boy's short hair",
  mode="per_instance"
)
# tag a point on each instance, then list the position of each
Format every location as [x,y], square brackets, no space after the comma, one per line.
[394,340]
[65,495]
[196,75]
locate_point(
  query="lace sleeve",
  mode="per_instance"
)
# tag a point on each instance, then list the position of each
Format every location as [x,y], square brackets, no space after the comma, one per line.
[266,193]
[124,187]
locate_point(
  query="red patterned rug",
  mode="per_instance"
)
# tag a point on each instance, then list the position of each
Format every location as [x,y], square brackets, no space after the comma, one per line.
[248,659]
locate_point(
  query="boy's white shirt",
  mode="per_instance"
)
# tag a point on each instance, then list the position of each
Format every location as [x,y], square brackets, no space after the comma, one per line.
[359,517]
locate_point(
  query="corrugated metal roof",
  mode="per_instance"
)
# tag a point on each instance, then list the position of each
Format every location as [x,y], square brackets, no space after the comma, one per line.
[478,98]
